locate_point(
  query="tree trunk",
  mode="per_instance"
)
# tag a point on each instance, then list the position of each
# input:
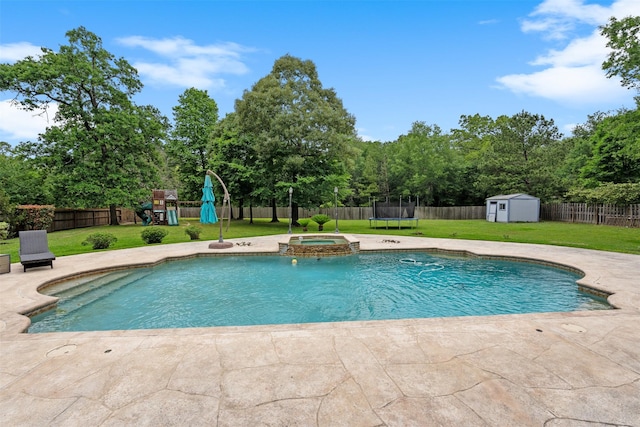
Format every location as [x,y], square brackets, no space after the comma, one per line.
[250,212]
[113,215]
[294,215]
[241,209]
[274,212]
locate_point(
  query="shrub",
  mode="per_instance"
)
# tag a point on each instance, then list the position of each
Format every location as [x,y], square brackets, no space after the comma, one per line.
[153,235]
[304,222]
[7,210]
[320,219]
[100,240]
[4,230]
[193,232]
[35,217]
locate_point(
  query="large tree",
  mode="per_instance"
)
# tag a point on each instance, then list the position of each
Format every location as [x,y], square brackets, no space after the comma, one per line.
[423,164]
[20,181]
[578,151]
[301,131]
[233,158]
[471,140]
[624,40]
[102,148]
[195,118]
[616,150]
[370,172]
[520,157]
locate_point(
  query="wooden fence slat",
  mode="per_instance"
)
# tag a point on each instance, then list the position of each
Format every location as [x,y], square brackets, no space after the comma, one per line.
[624,216]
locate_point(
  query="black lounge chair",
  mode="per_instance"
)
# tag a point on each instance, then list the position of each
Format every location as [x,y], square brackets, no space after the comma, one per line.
[34,249]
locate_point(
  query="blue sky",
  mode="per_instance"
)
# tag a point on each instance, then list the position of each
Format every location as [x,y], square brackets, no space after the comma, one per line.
[391,62]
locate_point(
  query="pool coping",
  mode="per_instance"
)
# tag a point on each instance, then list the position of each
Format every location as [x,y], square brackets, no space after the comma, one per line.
[29,301]
[597,345]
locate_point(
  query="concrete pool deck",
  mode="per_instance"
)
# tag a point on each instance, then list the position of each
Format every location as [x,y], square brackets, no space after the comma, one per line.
[551,369]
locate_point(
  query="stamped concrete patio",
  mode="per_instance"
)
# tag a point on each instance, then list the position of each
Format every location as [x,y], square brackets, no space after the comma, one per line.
[552,369]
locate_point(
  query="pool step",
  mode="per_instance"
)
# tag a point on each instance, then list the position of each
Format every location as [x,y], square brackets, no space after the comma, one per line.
[81,285]
[93,290]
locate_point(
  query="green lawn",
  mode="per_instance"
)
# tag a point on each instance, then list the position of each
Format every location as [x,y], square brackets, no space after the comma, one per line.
[600,237]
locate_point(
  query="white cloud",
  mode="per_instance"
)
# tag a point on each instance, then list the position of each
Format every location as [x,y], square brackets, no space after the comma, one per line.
[579,52]
[12,52]
[19,125]
[572,74]
[576,85]
[183,63]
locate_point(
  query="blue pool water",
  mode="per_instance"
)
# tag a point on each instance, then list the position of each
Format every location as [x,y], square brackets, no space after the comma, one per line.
[250,290]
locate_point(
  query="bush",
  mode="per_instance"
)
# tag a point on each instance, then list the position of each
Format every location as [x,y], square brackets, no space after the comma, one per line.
[35,217]
[4,230]
[100,240]
[623,194]
[320,219]
[7,210]
[153,235]
[193,232]
[304,222]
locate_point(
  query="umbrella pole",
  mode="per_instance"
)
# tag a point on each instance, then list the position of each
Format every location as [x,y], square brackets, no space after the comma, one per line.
[220,239]
[226,198]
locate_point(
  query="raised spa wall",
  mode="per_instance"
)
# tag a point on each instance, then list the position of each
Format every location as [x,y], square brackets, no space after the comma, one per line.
[324,250]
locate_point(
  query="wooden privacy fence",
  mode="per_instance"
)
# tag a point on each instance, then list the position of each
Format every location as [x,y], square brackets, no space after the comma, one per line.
[451,212]
[347,212]
[283,212]
[623,216]
[67,219]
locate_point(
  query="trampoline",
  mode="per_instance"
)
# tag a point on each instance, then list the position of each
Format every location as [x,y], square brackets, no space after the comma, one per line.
[393,213]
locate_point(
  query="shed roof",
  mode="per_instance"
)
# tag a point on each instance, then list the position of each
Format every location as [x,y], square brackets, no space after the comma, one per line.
[520,196]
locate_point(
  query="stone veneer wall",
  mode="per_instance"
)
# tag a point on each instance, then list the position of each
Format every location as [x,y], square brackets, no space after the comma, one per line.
[318,250]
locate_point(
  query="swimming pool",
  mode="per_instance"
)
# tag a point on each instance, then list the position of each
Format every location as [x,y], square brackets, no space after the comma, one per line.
[250,290]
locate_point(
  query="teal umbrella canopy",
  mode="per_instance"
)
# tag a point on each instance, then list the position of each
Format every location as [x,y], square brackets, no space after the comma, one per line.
[208,210]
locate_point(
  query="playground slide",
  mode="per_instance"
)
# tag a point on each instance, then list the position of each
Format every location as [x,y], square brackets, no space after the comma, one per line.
[172,217]
[140,211]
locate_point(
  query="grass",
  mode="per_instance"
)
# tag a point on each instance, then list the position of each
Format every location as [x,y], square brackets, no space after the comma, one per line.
[599,237]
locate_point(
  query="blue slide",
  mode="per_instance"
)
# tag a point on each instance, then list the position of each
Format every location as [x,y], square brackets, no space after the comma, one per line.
[172,217]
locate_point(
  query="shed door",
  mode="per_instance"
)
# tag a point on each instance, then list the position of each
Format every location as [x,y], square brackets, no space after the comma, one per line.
[493,207]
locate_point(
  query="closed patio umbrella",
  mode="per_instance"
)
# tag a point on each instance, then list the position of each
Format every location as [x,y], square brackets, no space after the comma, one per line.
[208,211]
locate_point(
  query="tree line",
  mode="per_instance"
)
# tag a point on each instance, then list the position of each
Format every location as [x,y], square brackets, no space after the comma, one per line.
[290,133]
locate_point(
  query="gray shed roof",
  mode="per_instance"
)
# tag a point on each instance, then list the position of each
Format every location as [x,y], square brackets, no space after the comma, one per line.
[520,196]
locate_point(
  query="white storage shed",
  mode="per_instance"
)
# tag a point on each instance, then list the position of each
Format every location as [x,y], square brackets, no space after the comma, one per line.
[513,208]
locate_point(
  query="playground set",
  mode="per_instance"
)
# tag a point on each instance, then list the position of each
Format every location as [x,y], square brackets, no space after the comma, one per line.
[161,210]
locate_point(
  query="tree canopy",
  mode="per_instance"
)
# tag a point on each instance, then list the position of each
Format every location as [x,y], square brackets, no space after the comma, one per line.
[189,148]
[518,156]
[301,132]
[102,148]
[624,40]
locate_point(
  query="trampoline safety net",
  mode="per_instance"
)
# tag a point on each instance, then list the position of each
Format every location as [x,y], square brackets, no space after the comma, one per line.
[391,210]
